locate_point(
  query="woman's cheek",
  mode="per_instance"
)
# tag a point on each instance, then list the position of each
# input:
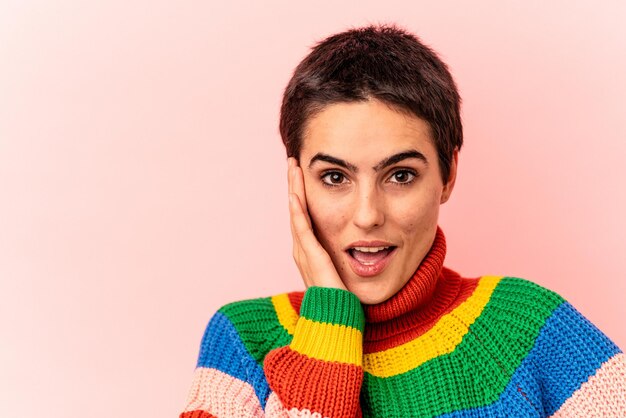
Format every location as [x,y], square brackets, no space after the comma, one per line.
[416,216]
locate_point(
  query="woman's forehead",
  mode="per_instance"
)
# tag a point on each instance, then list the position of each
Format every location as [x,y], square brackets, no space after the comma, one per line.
[366,131]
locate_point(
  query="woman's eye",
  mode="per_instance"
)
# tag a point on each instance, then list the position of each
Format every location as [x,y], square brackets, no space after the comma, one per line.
[400,177]
[403,177]
[333,178]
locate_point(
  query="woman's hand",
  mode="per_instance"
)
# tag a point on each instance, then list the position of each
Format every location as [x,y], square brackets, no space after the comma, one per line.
[315,265]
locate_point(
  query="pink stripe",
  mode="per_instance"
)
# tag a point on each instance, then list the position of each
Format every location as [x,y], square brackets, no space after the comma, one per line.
[603,395]
[222,395]
[275,408]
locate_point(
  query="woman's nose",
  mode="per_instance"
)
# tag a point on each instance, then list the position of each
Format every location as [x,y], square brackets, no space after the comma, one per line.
[369,212]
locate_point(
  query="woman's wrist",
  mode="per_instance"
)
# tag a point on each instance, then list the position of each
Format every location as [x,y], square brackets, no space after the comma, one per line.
[330,326]
[333,306]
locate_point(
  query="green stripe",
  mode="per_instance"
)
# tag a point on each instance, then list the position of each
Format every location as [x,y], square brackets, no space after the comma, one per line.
[478,370]
[258,327]
[333,306]
[260,330]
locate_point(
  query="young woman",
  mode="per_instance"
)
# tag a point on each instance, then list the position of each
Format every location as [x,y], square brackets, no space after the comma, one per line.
[371,124]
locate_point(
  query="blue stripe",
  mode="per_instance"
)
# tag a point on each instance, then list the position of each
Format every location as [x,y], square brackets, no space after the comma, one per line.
[568,350]
[223,350]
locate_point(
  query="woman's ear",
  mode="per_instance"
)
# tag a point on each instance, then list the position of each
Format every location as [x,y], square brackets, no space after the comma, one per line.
[447,188]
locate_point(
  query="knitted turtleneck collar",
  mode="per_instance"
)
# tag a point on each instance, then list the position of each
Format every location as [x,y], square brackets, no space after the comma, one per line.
[432,290]
[418,290]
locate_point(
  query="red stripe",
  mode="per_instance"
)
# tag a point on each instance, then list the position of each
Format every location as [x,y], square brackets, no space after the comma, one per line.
[305,383]
[451,291]
[449,294]
[196,414]
[296,300]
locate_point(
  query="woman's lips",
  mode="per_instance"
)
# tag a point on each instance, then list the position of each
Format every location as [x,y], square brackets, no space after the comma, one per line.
[375,263]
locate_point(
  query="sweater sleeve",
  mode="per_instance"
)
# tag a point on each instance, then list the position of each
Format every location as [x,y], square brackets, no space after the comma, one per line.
[320,371]
[581,371]
[227,382]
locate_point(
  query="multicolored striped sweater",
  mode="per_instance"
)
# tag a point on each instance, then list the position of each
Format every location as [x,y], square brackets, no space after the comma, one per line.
[443,346]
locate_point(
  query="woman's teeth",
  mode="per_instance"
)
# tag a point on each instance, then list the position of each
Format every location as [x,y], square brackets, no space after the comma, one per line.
[370,249]
[369,256]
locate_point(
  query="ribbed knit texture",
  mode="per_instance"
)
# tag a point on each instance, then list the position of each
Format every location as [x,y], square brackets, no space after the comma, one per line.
[443,346]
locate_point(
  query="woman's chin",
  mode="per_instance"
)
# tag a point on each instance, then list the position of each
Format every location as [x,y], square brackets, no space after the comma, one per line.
[368,296]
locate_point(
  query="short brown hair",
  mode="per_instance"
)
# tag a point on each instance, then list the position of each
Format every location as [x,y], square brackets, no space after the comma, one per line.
[383,62]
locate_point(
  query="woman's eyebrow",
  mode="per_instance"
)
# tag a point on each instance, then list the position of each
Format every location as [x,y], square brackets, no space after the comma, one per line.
[395,158]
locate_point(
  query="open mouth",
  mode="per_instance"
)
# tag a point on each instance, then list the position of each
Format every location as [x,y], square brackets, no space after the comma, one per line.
[370,256]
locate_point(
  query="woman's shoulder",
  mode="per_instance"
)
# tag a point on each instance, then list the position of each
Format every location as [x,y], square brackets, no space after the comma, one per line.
[513,306]
[557,357]
[261,323]
[532,308]
[262,308]
[521,292]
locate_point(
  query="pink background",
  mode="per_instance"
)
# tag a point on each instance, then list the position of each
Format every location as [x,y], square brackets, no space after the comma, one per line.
[143,180]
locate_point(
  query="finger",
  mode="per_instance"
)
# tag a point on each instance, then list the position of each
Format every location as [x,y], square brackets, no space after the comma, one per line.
[289,174]
[316,266]
[298,188]
[295,214]
[292,215]
[302,229]
[292,208]
[298,252]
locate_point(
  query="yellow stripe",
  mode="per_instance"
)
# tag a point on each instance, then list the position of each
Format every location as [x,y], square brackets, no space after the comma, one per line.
[441,339]
[287,316]
[328,342]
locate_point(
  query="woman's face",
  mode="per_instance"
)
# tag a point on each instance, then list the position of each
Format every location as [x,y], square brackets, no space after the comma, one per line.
[371,173]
